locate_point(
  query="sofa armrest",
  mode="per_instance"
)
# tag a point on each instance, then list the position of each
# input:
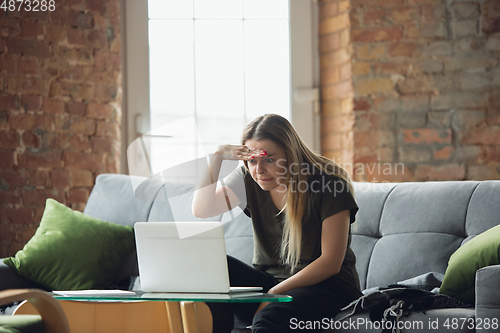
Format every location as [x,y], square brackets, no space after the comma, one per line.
[488,298]
[9,279]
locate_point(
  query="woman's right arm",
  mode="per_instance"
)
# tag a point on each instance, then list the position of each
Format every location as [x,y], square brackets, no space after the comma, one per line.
[210,200]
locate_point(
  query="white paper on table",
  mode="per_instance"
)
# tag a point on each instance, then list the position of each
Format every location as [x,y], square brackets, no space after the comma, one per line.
[93,292]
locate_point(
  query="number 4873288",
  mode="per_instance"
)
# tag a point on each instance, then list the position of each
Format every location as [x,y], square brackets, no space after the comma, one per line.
[28,5]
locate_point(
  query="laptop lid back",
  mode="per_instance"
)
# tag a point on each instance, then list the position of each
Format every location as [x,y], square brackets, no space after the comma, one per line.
[182,257]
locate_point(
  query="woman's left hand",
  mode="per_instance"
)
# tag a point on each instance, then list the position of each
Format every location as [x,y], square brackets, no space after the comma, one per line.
[263,304]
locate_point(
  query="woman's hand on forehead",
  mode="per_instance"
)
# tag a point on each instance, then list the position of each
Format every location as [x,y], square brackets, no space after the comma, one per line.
[255,152]
[240,152]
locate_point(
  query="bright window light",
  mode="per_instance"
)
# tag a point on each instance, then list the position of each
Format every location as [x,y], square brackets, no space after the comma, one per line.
[220,63]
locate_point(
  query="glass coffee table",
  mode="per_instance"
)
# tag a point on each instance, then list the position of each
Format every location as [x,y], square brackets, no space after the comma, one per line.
[131,312]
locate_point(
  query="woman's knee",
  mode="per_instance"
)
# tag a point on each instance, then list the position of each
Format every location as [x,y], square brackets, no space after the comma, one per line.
[275,317]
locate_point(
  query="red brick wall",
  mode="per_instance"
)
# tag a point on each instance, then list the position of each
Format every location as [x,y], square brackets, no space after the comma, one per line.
[337,118]
[60,109]
[425,77]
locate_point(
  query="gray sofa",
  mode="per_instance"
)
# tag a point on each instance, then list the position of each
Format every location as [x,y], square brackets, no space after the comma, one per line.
[403,230]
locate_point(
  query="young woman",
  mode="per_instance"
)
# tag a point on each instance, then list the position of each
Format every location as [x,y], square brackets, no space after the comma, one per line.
[301,205]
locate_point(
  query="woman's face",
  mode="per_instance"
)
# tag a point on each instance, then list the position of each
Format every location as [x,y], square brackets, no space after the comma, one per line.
[269,171]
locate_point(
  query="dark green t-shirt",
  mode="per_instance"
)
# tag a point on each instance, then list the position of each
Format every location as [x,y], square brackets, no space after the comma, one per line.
[328,195]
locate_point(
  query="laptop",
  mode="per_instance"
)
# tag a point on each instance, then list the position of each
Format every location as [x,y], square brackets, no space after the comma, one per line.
[187,257]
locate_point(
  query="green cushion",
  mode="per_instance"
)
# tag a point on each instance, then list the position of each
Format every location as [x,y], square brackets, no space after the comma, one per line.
[481,251]
[73,251]
[22,324]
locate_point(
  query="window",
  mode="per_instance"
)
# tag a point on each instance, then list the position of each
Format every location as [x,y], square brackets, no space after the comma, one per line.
[208,67]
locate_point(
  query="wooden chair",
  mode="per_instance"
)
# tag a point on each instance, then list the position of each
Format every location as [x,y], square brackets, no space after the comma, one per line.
[51,313]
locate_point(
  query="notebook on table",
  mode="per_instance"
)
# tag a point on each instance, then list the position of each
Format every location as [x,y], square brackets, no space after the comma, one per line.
[183,257]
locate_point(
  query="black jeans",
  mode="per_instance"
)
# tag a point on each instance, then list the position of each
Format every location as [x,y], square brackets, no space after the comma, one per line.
[318,302]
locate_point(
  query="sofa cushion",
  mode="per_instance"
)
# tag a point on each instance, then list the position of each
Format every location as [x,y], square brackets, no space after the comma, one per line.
[423,221]
[122,199]
[363,246]
[71,250]
[173,203]
[439,207]
[238,235]
[371,198]
[403,256]
[483,209]
[459,279]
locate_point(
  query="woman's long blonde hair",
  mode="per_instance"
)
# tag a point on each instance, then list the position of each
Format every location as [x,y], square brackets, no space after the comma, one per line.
[279,130]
